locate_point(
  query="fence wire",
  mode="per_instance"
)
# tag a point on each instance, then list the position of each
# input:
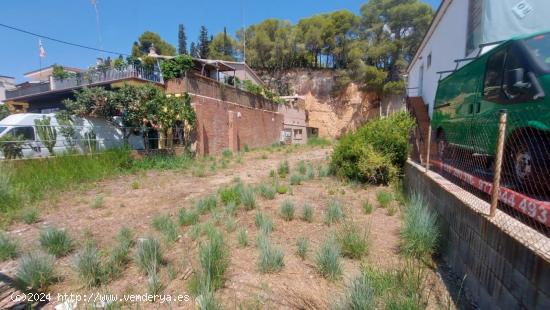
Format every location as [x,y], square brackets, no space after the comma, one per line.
[464,149]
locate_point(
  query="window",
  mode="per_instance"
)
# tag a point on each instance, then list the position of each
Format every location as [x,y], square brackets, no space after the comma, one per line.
[2,129]
[514,67]
[48,111]
[493,76]
[27,133]
[297,134]
[429,60]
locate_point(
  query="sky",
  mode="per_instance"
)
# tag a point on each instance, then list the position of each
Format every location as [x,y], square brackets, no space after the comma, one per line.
[122,21]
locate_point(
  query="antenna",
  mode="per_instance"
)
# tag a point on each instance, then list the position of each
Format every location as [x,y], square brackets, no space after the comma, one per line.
[98,25]
[244,31]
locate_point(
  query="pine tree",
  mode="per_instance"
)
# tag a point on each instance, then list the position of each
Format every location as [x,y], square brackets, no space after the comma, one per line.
[182,40]
[204,42]
[193,50]
[227,48]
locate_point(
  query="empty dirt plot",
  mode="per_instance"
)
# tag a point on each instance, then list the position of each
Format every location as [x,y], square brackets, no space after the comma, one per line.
[261,231]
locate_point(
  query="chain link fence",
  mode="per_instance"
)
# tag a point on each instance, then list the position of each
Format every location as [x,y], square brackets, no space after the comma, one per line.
[501,156]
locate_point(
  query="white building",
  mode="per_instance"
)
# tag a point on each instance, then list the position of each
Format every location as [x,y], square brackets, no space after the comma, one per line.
[460,27]
[6,83]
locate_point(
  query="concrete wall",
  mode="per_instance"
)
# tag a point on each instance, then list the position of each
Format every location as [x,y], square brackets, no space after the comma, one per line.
[506,263]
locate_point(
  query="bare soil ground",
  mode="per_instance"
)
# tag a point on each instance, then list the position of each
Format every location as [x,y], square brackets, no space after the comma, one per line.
[297,286]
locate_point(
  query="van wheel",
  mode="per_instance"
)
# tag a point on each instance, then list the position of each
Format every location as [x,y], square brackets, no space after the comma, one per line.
[527,163]
[442,145]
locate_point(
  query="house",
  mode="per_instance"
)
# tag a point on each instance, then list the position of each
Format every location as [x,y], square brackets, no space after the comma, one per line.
[243,72]
[462,29]
[6,83]
[295,130]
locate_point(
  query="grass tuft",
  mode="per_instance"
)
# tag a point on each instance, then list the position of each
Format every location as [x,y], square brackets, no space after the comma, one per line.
[154,284]
[359,295]
[302,246]
[36,271]
[263,223]
[295,179]
[248,198]
[301,167]
[334,213]
[352,241]
[328,260]
[271,258]
[149,255]
[214,260]
[242,237]
[287,210]
[30,216]
[230,224]
[420,232]
[384,198]
[282,189]
[206,204]
[307,213]
[227,153]
[231,194]
[99,202]
[187,217]
[88,266]
[267,191]
[165,225]
[8,248]
[56,241]
[283,169]
[367,207]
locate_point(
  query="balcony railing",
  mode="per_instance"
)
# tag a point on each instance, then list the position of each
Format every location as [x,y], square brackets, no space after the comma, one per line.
[90,77]
[99,76]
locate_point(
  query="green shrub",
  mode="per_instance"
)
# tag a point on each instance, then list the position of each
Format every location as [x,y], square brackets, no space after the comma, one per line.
[282,189]
[328,260]
[307,213]
[149,255]
[367,207]
[353,242]
[263,223]
[30,215]
[302,246]
[295,179]
[359,295]
[8,248]
[242,237]
[316,141]
[56,241]
[271,258]
[267,191]
[187,217]
[36,271]
[420,232]
[231,194]
[214,260]
[88,266]
[384,198]
[283,169]
[248,198]
[376,152]
[287,210]
[334,213]
[227,153]
[246,148]
[165,225]
[206,204]
[135,185]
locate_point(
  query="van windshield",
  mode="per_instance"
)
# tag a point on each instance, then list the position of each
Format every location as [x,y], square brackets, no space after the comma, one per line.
[2,129]
[539,47]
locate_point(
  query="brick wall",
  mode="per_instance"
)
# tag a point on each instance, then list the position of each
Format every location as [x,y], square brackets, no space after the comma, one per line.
[224,124]
[503,268]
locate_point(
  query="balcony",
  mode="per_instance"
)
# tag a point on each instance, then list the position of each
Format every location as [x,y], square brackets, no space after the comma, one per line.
[89,78]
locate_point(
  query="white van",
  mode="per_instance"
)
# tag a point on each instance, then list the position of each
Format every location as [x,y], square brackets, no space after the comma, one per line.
[90,134]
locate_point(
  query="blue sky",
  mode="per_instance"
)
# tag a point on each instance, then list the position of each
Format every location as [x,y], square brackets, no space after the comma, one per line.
[122,21]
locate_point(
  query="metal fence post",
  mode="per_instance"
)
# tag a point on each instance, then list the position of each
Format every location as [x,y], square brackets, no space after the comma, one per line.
[428,147]
[498,162]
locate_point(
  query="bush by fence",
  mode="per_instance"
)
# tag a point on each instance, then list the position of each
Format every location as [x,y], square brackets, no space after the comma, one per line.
[375,153]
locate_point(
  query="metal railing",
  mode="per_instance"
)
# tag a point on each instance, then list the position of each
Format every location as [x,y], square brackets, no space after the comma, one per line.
[28,89]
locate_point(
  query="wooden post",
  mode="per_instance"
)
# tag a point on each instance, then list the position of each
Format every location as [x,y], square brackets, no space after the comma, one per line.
[428,147]
[498,162]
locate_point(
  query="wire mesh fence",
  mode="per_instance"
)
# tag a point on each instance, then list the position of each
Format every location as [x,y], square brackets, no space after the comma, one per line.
[39,141]
[501,156]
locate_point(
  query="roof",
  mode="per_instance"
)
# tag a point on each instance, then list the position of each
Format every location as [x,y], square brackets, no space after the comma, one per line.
[433,25]
[245,66]
[6,76]
[22,119]
[51,67]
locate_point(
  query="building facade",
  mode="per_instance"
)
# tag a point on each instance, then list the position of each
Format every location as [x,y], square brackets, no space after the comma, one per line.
[295,130]
[6,83]
[460,27]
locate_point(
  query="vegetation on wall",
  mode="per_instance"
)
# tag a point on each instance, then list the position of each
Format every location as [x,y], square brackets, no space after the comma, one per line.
[176,67]
[376,153]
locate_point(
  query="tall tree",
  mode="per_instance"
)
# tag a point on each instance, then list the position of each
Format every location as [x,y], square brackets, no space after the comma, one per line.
[204,42]
[193,50]
[148,38]
[182,40]
[221,47]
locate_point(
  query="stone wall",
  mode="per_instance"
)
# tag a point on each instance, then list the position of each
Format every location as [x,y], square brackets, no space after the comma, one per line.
[505,264]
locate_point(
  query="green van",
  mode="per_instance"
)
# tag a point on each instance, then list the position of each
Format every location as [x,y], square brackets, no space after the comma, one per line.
[514,76]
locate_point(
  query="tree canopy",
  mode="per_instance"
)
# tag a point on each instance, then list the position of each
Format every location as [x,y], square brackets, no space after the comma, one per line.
[148,38]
